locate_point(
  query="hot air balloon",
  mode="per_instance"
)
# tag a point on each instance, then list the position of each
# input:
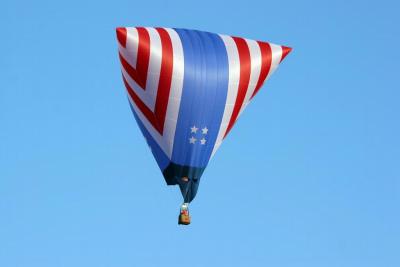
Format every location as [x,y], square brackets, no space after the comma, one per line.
[186,89]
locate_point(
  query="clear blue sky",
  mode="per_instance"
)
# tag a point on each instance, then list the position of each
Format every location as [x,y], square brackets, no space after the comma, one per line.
[309,176]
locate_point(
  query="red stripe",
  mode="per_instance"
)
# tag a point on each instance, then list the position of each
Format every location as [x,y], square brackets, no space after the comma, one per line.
[164,84]
[138,74]
[245,68]
[285,50]
[143,57]
[157,119]
[266,57]
[121,36]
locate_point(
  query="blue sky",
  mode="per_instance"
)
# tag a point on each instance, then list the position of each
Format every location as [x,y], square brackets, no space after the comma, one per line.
[309,176]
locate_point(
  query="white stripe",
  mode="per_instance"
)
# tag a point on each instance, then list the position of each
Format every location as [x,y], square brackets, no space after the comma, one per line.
[131,50]
[256,61]
[276,55]
[153,73]
[175,95]
[233,84]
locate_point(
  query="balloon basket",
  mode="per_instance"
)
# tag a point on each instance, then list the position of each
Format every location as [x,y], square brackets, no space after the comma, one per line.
[184,219]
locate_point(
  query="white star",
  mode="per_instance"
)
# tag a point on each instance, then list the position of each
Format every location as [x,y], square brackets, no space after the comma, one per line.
[204,130]
[193,129]
[192,140]
[203,141]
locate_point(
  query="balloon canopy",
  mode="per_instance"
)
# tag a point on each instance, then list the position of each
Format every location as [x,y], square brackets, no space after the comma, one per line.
[187,88]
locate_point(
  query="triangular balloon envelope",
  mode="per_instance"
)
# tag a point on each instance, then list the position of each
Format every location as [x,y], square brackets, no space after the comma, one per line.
[187,88]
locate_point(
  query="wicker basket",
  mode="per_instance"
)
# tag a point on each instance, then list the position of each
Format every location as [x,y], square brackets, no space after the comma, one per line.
[184,219]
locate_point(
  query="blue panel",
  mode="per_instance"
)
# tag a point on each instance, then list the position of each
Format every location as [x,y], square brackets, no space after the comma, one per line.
[205,87]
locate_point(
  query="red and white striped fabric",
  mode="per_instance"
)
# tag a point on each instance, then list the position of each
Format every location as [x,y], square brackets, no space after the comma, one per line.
[251,63]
